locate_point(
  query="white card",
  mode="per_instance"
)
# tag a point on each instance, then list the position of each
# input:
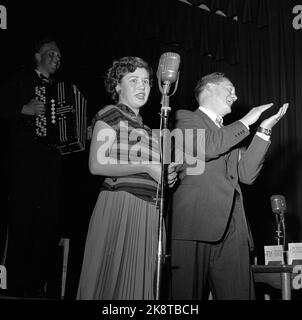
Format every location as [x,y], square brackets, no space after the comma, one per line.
[273,254]
[294,252]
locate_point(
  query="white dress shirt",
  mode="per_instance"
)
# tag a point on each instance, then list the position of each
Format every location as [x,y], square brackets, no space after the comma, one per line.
[218,120]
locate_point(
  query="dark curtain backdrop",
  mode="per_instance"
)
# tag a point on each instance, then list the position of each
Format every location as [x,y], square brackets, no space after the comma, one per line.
[260,52]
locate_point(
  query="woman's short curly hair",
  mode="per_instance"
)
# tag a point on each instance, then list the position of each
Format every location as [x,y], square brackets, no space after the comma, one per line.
[119,69]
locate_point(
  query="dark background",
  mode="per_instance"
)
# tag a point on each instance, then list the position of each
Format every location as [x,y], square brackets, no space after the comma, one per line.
[260,52]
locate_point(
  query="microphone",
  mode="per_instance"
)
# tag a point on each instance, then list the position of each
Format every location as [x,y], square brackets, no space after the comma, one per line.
[278,204]
[167,71]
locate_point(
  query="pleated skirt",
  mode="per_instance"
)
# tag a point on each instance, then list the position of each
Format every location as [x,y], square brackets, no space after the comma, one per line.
[120,251]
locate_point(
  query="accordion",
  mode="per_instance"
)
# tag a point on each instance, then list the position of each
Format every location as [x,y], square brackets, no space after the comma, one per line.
[64,123]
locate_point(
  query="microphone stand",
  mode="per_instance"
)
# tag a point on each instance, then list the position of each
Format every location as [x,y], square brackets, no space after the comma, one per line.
[281,234]
[165,160]
[282,222]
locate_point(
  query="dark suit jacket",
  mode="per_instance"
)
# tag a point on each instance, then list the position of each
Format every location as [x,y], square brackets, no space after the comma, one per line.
[202,203]
[34,186]
[25,155]
[18,91]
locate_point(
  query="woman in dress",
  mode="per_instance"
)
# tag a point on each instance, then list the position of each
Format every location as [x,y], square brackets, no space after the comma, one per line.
[121,246]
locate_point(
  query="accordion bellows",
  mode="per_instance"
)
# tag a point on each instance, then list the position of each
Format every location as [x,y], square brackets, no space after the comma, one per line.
[64,123]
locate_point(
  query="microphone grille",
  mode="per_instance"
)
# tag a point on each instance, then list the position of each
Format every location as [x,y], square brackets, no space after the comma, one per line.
[278,203]
[168,66]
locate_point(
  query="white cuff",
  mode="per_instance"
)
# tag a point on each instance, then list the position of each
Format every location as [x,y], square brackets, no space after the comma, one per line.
[263,136]
[245,124]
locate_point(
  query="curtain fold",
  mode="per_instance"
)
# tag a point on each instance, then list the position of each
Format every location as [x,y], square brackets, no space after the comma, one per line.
[260,52]
[246,10]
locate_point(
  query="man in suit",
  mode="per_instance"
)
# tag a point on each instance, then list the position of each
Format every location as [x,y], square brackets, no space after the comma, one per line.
[210,235]
[34,174]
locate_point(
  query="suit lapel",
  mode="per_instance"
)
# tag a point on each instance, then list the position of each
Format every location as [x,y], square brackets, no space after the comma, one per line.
[206,120]
[212,126]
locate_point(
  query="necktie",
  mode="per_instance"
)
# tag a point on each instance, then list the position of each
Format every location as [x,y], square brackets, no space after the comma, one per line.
[44,79]
[219,121]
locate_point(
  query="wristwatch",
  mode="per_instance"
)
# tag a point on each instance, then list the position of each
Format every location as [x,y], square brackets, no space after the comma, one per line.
[268,132]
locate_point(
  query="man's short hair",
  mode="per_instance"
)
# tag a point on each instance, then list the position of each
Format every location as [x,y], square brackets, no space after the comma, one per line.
[41,42]
[215,77]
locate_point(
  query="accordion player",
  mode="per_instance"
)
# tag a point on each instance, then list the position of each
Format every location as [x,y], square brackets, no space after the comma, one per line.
[64,123]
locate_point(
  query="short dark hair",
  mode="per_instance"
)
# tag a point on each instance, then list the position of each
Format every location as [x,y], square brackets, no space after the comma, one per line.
[215,77]
[42,41]
[121,67]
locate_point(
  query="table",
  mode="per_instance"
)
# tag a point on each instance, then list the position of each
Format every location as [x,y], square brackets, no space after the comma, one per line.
[278,276]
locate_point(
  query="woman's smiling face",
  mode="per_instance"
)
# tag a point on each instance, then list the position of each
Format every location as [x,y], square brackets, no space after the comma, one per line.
[134,89]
